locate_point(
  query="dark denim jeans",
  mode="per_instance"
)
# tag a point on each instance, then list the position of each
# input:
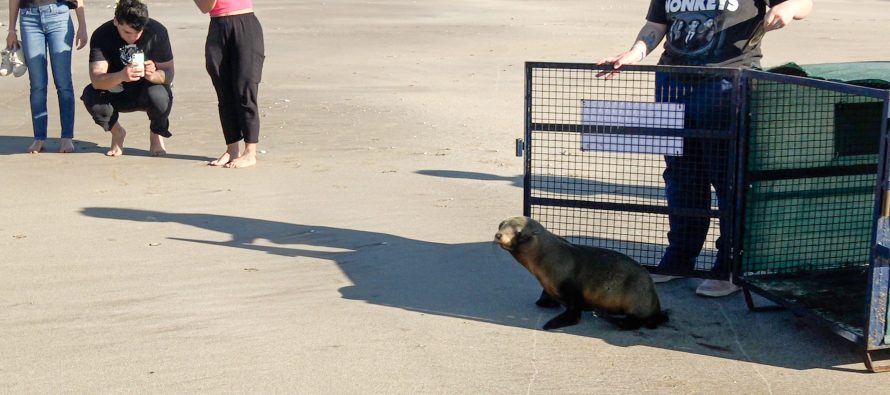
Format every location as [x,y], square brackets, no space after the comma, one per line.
[688,178]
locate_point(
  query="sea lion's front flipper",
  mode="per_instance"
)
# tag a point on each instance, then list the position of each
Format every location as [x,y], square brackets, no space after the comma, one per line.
[546,301]
[569,317]
[629,323]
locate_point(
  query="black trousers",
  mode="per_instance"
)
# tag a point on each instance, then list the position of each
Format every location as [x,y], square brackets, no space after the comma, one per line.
[106,106]
[234,55]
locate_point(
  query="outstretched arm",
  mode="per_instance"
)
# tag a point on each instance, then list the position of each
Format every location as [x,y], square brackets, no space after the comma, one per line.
[205,5]
[647,40]
[782,14]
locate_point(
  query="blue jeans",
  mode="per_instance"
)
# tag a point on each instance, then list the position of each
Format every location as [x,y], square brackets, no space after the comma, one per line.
[48,30]
[688,178]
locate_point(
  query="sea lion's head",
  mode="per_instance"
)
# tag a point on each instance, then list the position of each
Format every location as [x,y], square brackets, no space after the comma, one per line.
[517,233]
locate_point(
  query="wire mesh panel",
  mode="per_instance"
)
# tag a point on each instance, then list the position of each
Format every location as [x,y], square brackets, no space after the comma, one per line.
[612,160]
[812,180]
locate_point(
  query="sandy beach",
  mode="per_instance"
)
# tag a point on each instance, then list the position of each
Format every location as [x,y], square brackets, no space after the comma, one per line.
[355,258]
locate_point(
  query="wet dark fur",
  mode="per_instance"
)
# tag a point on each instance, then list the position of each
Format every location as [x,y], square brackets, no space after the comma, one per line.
[582,278]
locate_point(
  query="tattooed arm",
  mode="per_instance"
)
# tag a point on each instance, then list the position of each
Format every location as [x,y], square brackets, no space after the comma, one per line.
[650,36]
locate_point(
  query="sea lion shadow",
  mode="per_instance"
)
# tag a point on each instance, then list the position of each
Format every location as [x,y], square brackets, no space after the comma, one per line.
[478,281]
[726,328]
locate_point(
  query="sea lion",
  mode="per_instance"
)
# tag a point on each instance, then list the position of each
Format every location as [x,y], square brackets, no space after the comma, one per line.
[582,277]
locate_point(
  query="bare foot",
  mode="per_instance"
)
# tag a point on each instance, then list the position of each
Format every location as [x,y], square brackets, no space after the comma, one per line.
[247,158]
[156,145]
[222,160]
[226,157]
[36,147]
[118,134]
[67,146]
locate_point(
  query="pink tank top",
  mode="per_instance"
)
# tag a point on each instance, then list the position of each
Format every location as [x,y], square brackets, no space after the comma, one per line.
[227,6]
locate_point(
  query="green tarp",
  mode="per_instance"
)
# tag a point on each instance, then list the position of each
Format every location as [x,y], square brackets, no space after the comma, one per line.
[869,74]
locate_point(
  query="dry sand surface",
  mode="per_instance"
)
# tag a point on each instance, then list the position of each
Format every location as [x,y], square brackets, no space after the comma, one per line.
[356,257]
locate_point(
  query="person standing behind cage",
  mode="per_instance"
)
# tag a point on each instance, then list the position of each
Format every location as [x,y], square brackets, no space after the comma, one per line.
[131,69]
[722,33]
[234,55]
[48,32]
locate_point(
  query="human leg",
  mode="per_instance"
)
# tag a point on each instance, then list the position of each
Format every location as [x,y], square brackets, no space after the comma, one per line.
[688,178]
[99,105]
[118,134]
[688,200]
[247,70]
[157,100]
[714,98]
[715,154]
[34,48]
[60,39]
[217,61]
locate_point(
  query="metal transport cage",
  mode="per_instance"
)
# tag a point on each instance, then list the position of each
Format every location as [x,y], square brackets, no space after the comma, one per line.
[778,180]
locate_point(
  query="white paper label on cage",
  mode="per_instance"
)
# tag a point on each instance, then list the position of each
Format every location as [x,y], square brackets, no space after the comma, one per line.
[632,114]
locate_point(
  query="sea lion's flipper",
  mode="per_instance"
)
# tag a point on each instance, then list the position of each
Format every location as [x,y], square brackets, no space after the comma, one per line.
[657,319]
[569,317]
[629,323]
[547,301]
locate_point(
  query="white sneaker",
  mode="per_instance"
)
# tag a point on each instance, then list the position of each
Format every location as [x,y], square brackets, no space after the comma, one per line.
[5,63]
[662,278]
[17,58]
[716,288]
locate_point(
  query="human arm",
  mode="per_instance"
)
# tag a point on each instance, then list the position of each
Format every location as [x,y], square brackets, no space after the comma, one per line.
[101,79]
[160,72]
[81,38]
[12,38]
[205,5]
[647,40]
[783,13]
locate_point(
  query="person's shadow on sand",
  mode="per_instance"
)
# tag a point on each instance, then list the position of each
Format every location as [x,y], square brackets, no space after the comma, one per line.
[557,184]
[478,281]
[11,145]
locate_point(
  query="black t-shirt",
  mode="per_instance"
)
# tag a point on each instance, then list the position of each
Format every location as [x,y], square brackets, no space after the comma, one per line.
[106,44]
[711,32]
